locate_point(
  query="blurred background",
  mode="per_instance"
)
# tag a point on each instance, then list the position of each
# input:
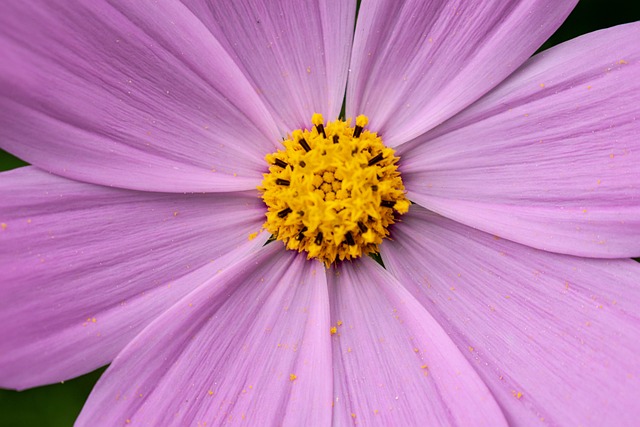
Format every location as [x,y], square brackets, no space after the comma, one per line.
[58,405]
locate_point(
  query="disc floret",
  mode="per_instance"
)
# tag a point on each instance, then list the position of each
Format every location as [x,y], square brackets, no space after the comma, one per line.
[333,190]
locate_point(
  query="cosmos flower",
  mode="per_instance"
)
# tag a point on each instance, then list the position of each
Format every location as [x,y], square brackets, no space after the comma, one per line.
[170,139]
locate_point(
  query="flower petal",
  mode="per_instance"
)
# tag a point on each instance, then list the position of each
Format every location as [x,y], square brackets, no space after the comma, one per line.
[416,63]
[551,158]
[295,53]
[393,364]
[131,94]
[555,337]
[250,345]
[84,268]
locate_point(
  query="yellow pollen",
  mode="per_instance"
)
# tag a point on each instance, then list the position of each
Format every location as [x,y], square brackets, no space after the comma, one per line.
[293,377]
[333,191]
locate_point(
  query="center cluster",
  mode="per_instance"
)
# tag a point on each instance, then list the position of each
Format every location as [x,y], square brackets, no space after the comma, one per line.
[333,191]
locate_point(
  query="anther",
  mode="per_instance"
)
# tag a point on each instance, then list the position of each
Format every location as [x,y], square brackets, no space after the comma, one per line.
[374,188]
[318,240]
[361,122]
[363,228]
[336,139]
[301,234]
[387,204]
[281,163]
[320,129]
[284,212]
[375,160]
[349,239]
[304,144]
[302,163]
[282,182]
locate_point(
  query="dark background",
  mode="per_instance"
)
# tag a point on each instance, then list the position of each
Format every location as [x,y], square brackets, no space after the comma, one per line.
[59,404]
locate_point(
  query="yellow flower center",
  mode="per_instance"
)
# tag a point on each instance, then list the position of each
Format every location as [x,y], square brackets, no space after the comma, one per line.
[333,191]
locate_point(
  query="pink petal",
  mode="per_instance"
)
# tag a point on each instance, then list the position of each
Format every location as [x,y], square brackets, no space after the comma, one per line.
[555,337]
[551,158]
[295,53]
[131,94]
[393,363]
[416,63]
[226,353]
[84,268]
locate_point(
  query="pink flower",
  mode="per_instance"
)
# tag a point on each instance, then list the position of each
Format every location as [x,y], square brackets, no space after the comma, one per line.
[506,297]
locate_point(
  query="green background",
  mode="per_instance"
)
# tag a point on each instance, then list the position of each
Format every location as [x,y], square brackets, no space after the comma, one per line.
[59,404]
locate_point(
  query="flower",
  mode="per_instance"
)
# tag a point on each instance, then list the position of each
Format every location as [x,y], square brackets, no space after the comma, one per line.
[505,296]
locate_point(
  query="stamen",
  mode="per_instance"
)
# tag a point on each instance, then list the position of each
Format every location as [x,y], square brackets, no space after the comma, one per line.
[349,239]
[281,163]
[375,160]
[317,120]
[284,212]
[282,182]
[336,139]
[304,144]
[301,234]
[363,228]
[320,129]
[387,204]
[318,240]
[361,122]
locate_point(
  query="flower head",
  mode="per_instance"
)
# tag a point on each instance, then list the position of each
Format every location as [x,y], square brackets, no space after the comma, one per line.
[500,192]
[333,192]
